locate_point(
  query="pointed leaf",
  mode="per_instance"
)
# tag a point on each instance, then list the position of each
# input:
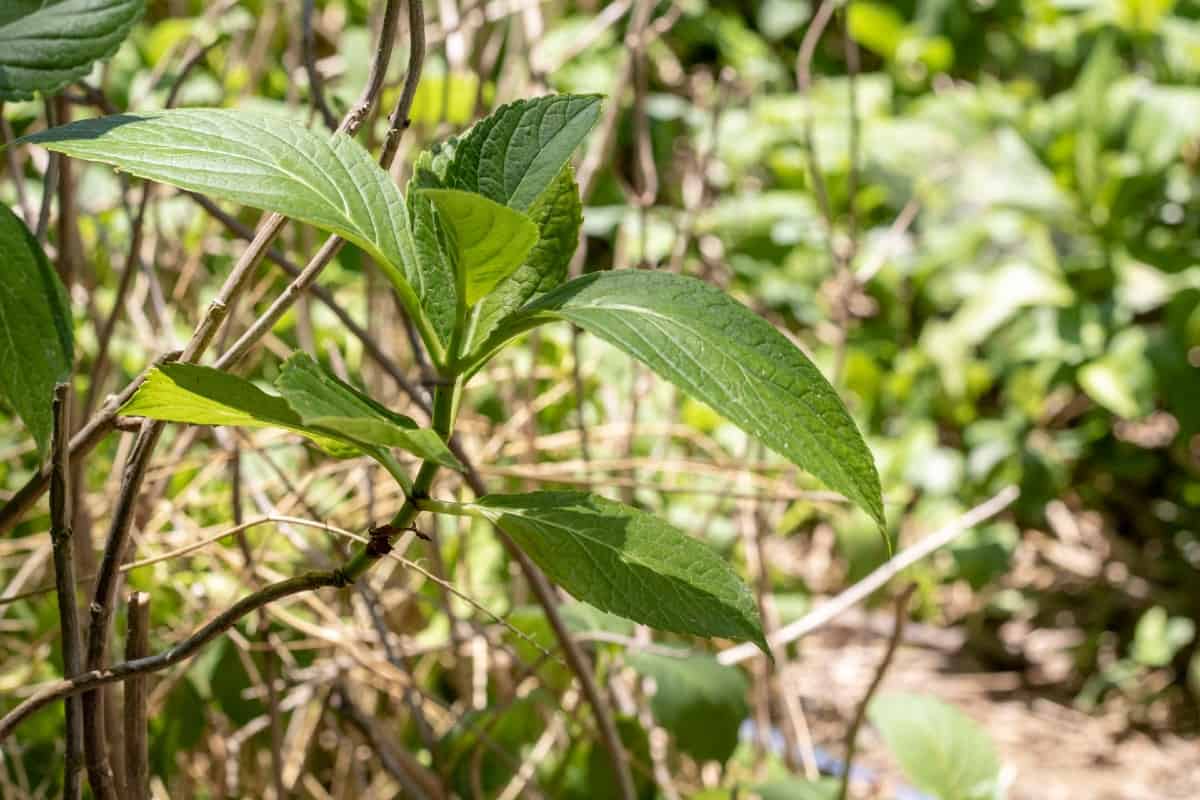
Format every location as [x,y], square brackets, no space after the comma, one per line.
[262,161]
[46,44]
[512,155]
[720,352]
[205,396]
[324,402]
[36,344]
[558,214]
[628,562]
[488,240]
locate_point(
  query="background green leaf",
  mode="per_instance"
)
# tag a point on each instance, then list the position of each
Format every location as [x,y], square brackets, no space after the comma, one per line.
[628,562]
[46,44]
[697,700]
[940,749]
[36,340]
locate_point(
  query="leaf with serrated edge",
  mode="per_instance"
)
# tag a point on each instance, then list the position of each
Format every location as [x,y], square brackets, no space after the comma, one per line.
[722,353]
[558,214]
[46,44]
[434,262]
[513,154]
[36,344]
[328,403]
[266,162]
[489,240]
[628,562]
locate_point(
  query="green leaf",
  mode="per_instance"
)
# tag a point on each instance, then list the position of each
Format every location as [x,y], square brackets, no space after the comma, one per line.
[205,396]
[797,789]
[628,562]
[326,403]
[488,240]
[267,162]
[512,155]
[334,416]
[36,344]
[697,700]
[46,44]
[435,264]
[939,748]
[558,214]
[720,352]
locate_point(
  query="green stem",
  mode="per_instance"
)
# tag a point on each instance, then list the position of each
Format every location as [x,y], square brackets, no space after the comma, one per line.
[444,402]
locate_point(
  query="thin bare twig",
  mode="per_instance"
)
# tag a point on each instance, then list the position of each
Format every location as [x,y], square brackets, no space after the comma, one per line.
[64,580]
[137,645]
[316,90]
[82,443]
[826,612]
[181,651]
[893,645]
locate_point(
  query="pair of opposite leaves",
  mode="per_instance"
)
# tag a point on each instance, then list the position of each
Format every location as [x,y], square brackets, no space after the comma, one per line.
[688,332]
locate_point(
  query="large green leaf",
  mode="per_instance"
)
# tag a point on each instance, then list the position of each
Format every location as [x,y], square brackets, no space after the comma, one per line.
[263,161]
[720,352]
[697,700]
[512,155]
[558,214]
[939,748]
[46,44]
[36,344]
[628,562]
[488,240]
[324,402]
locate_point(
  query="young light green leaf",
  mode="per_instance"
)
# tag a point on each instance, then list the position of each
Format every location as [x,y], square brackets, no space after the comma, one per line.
[940,749]
[326,403]
[720,352]
[488,240]
[700,702]
[628,562]
[512,155]
[36,338]
[266,162]
[558,214]
[434,262]
[205,396]
[46,44]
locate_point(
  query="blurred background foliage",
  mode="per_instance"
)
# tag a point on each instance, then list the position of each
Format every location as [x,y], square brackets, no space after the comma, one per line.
[1013,195]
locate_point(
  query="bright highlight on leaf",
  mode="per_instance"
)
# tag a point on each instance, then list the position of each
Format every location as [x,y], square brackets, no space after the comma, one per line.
[266,162]
[489,240]
[314,404]
[628,562]
[36,344]
[46,44]
[722,353]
